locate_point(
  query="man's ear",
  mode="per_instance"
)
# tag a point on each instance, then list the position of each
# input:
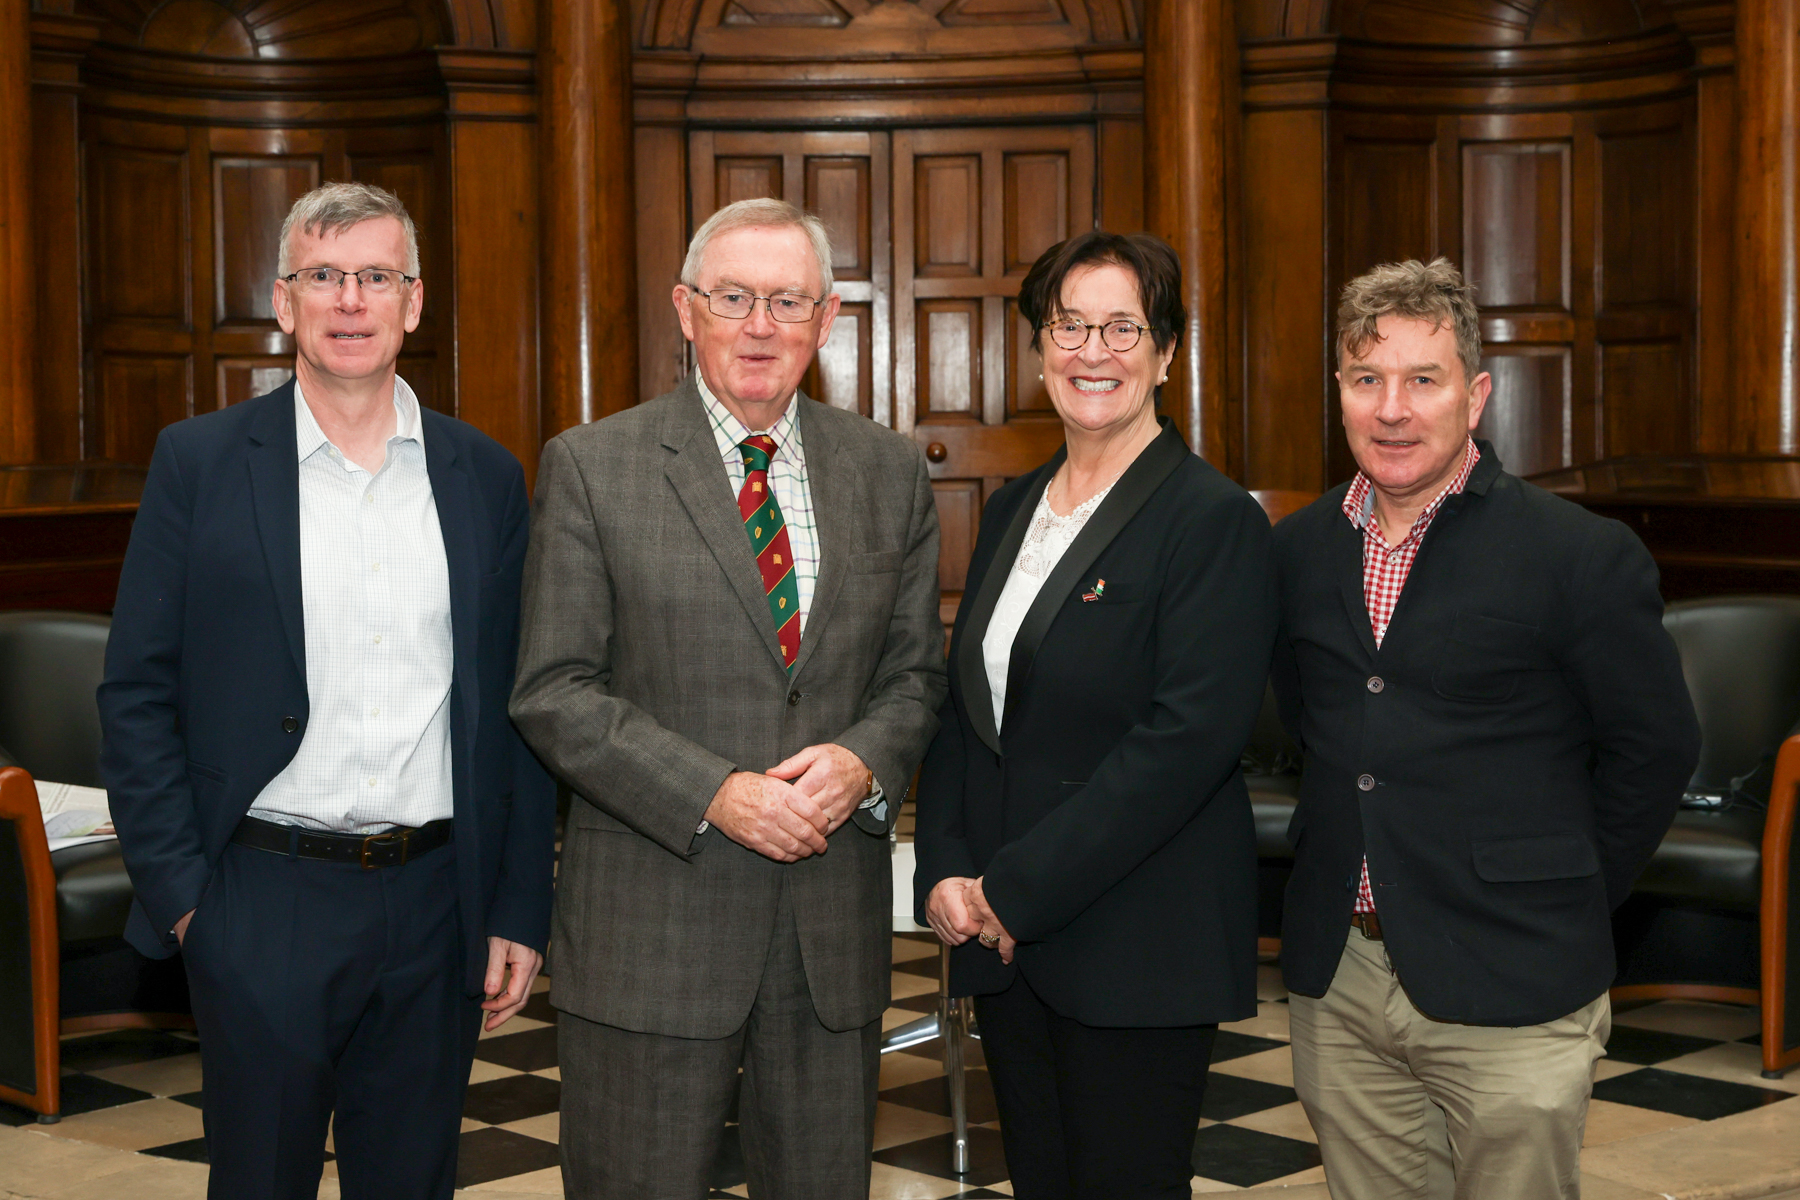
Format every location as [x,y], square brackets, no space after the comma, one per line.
[1478,398]
[829,311]
[283,304]
[683,311]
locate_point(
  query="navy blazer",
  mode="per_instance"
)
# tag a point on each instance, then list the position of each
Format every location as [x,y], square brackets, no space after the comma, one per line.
[1509,758]
[204,699]
[1108,812]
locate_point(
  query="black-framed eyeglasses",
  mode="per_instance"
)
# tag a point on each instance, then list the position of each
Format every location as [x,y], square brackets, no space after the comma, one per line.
[737,304]
[329,279]
[1117,336]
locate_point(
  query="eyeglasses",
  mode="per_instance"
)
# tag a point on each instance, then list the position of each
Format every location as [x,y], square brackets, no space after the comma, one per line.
[791,307]
[375,280]
[1117,336]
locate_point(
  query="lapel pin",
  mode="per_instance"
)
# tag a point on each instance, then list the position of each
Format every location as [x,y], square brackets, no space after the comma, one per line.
[1089,597]
[1100,588]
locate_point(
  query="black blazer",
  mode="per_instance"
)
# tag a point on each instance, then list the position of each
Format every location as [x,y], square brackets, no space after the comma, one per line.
[1521,739]
[1108,813]
[204,699]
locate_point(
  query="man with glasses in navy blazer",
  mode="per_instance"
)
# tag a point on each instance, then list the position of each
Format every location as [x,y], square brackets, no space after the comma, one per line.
[319,796]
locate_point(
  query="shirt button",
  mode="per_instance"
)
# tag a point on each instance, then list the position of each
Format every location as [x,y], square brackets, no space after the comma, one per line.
[377,639]
[368,497]
[1375,683]
[376,567]
[371,782]
[1365,783]
[374,712]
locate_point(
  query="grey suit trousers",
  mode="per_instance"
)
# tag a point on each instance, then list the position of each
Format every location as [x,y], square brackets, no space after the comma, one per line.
[644,1114]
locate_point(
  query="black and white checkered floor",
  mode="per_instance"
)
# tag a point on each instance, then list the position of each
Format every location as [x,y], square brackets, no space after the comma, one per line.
[1678,1091]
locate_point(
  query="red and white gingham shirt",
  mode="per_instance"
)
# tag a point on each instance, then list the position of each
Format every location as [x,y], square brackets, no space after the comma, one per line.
[1385,568]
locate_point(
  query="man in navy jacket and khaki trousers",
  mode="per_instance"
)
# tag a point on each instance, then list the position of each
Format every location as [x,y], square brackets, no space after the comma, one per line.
[319,795]
[1497,735]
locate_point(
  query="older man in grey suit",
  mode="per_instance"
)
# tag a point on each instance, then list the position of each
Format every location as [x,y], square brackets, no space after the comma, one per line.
[732,654]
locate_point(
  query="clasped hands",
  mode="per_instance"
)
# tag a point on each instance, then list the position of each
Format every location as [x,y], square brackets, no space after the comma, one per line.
[957,910]
[788,813]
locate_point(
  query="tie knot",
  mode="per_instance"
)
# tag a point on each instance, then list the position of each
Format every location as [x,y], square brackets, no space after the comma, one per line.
[758,450]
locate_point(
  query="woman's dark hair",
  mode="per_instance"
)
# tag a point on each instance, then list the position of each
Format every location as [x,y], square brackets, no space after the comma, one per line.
[1148,257]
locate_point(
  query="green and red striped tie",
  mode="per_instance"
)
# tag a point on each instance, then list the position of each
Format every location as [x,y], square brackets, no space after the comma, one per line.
[769,542]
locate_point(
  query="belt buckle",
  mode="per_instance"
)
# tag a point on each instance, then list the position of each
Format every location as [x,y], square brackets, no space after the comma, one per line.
[404,837]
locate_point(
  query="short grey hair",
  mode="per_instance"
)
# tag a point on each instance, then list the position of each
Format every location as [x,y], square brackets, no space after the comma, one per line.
[1434,291]
[335,208]
[762,213]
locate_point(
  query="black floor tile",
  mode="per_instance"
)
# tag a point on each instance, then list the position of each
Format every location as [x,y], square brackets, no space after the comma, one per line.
[1646,1046]
[1228,1045]
[926,967]
[928,1003]
[981,1193]
[512,1098]
[538,1008]
[88,1093]
[191,1099]
[933,1095]
[12,1116]
[728,1170]
[532,1050]
[483,1155]
[934,1050]
[116,1047]
[1685,1095]
[1247,1157]
[192,1150]
[931,1156]
[1754,1039]
[1229,1096]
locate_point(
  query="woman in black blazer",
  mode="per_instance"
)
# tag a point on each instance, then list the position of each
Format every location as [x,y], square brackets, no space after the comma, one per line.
[1084,834]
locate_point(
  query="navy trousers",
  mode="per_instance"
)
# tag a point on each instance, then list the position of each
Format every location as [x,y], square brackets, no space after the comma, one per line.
[327,995]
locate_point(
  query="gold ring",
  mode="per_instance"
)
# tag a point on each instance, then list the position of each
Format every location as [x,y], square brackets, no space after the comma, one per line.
[990,939]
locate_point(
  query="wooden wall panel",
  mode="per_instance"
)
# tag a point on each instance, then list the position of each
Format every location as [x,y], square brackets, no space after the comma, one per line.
[662,223]
[1646,195]
[947,228]
[949,371]
[746,179]
[1528,413]
[959,504]
[241,378]
[841,374]
[1646,412]
[1387,198]
[56,217]
[139,201]
[1025,391]
[1516,223]
[837,192]
[251,196]
[1036,204]
[138,395]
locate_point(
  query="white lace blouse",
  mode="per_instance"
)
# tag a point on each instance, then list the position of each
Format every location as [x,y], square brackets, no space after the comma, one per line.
[1045,543]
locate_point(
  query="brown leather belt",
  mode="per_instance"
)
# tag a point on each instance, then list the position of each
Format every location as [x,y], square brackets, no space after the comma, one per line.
[1369,923]
[388,849]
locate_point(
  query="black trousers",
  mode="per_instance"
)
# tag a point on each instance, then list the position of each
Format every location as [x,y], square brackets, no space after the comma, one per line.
[324,991]
[1092,1114]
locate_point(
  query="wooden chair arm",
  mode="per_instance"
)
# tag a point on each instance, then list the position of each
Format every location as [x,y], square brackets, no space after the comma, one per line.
[19,804]
[1777,875]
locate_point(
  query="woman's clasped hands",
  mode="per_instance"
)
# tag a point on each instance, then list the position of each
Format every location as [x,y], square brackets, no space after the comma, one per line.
[957,910]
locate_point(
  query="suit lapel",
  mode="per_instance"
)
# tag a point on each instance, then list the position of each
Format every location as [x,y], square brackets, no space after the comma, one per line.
[971,666]
[697,474]
[831,478]
[1140,481]
[451,492]
[1347,566]
[275,497]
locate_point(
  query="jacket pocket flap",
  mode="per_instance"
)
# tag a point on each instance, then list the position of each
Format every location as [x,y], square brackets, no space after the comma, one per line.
[1531,859]
[1494,633]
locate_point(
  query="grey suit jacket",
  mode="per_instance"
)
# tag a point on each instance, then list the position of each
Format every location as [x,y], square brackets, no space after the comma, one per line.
[649,670]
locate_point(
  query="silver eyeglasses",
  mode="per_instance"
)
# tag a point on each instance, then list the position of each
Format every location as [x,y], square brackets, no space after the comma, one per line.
[792,307]
[376,280]
[1117,336]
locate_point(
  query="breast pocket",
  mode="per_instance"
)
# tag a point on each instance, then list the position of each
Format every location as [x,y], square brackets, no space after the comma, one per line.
[1483,658]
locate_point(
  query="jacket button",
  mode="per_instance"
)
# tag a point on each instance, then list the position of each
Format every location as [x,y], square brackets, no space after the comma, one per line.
[793,699]
[289,725]
[1375,683]
[1365,783]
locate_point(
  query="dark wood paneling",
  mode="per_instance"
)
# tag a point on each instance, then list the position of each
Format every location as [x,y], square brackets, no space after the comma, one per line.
[1528,412]
[139,223]
[1646,201]
[1646,406]
[1515,223]
[841,373]
[662,202]
[837,192]
[239,379]
[947,216]
[251,196]
[746,179]
[1025,391]
[137,397]
[1036,205]
[949,371]
[56,214]
[1388,200]
[959,521]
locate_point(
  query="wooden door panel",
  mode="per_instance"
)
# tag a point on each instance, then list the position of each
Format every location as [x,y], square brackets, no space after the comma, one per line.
[251,196]
[947,215]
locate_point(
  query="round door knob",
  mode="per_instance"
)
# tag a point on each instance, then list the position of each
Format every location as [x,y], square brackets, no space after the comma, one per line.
[937,452]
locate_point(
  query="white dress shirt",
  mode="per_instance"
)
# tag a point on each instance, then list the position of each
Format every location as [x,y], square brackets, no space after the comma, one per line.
[1045,543]
[375,591]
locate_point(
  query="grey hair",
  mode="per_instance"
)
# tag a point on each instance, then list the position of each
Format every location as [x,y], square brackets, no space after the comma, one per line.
[1434,291]
[335,208]
[761,213]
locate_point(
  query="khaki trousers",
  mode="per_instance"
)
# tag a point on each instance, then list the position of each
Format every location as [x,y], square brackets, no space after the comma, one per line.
[1408,1108]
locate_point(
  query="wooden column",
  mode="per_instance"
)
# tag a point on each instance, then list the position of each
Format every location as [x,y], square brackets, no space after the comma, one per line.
[18,278]
[589,247]
[1765,322]
[1190,77]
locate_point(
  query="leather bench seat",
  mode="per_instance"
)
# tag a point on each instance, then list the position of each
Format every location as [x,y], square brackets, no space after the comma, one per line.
[1709,858]
[93,892]
[1272,802]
